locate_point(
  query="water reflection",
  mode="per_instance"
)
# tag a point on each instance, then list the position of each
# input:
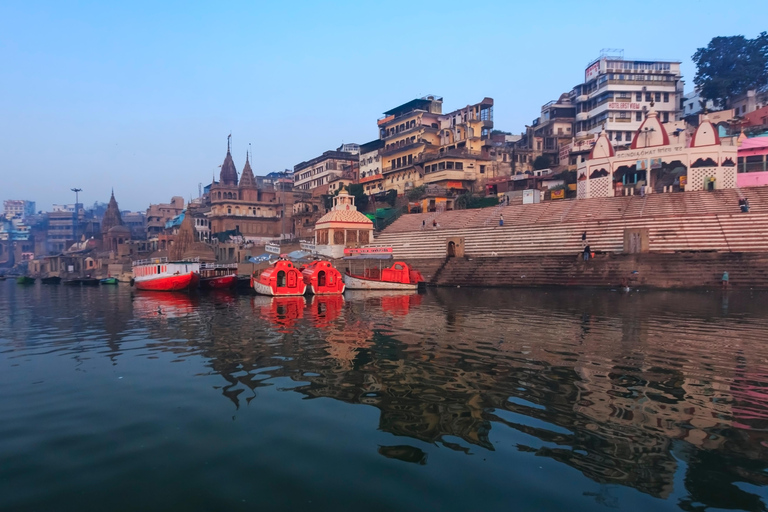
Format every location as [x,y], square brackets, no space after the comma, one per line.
[630,390]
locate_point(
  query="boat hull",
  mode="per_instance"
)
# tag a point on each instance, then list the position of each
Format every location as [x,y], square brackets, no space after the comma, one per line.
[358,283]
[25,280]
[176,283]
[109,280]
[264,289]
[219,282]
[320,290]
[50,280]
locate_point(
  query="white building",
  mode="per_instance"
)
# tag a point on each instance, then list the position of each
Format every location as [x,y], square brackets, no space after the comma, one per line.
[18,208]
[371,166]
[617,93]
[319,171]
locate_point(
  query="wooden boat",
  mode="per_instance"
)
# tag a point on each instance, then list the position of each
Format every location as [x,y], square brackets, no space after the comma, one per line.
[89,281]
[50,280]
[108,280]
[322,278]
[75,281]
[161,275]
[281,278]
[2,278]
[399,276]
[218,277]
[25,280]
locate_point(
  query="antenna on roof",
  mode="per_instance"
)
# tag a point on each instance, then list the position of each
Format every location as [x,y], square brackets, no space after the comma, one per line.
[250,152]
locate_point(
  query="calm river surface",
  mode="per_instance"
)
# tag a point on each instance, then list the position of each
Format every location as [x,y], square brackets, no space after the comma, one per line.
[113,399]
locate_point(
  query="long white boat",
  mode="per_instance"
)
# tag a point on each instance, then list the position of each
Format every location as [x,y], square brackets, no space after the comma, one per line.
[399,276]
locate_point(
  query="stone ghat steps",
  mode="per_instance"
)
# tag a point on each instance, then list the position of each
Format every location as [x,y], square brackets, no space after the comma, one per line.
[730,233]
[664,271]
[607,208]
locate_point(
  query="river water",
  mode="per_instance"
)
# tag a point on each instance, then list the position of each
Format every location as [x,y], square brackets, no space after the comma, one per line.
[457,399]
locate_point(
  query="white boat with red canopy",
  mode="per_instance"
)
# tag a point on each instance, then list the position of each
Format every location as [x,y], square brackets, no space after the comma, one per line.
[375,274]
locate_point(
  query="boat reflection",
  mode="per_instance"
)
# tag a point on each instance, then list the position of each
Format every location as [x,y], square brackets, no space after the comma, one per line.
[324,309]
[281,311]
[147,304]
[394,302]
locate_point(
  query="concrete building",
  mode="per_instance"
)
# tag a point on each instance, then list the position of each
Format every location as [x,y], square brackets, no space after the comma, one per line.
[617,92]
[137,223]
[371,177]
[318,171]
[424,146]
[61,230]
[18,209]
[554,127]
[159,214]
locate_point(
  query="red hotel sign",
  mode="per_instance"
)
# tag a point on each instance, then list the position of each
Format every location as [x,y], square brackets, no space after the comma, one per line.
[368,250]
[623,105]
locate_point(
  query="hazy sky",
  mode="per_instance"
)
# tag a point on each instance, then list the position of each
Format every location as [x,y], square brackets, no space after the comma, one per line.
[140,96]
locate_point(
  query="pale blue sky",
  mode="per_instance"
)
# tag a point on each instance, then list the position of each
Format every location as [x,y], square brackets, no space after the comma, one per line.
[141,95]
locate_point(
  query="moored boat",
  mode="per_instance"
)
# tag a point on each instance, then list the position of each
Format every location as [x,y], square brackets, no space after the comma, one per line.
[50,280]
[218,277]
[25,280]
[89,281]
[399,276]
[108,280]
[322,278]
[282,278]
[161,275]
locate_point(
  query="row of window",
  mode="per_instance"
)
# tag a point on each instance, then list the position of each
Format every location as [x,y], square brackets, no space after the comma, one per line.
[441,166]
[639,66]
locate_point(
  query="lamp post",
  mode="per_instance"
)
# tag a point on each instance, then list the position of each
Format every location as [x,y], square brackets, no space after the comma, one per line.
[76,218]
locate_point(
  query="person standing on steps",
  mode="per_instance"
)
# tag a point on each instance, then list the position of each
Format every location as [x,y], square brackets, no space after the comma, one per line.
[584,237]
[501,219]
[587,252]
[434,223]
[725,280]
[424,224]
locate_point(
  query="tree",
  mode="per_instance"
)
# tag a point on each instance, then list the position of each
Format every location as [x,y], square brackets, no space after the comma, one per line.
[391,197]
[541,162]
[730,66]
[361,198]
[416,193]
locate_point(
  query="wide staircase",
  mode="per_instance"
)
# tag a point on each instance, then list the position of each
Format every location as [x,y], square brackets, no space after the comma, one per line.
[694,270]
[680,222]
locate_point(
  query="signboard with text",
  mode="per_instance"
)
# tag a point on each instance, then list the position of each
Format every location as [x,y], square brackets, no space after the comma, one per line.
[558,194]
[272,248]
[592,71]
[367,250]
[623,105]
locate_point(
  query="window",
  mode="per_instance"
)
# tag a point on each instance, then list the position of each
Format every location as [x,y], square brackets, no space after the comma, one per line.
[449,165]
[460,165]
[441,166]
[638,96]
[657,97]
[618,136]
[666,117]
[666,97]
[638,116]
[482,169]
[647,96]
[628,136]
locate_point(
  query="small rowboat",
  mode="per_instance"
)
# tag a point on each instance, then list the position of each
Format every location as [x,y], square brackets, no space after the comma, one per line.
[108,280]
[25,280]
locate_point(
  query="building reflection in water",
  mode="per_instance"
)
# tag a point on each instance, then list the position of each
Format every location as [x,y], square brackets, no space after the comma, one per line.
[620,387]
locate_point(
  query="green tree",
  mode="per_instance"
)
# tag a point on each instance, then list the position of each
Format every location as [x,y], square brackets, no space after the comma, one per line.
[541,162]
[416,193]
[730,66]
[361,198]
[391,197]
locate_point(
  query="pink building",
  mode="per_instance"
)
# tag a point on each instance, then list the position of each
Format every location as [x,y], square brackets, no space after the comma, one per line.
[753,162]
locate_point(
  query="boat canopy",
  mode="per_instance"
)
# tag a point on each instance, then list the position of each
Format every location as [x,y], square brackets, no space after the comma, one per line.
[369,257]
[297,255]
[261,258]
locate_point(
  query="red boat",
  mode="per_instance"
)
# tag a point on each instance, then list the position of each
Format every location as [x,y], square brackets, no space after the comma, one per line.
[218,277]
[400,276]
[282,278]
[161,275]
[322,278]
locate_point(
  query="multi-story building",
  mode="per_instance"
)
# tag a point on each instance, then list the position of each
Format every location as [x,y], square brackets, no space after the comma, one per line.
[424,146]
[318,171]
[371,177]
[18,209]
[617,93]
[554,127]
[62,225]
[137,223]
[159,214]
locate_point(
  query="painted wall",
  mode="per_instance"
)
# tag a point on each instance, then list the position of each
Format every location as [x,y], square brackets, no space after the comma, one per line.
[752,179]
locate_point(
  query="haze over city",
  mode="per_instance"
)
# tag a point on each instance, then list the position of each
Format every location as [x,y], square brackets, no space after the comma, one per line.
[141,96]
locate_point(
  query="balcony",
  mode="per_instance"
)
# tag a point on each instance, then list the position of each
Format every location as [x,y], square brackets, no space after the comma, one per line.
[407,147]
[582,116]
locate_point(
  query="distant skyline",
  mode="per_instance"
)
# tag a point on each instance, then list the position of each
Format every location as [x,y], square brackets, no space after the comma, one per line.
[141,96]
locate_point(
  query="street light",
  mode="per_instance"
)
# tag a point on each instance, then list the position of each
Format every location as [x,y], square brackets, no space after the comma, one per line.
[77,212]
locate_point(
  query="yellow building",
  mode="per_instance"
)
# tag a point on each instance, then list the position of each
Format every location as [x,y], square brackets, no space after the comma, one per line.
[423,146]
